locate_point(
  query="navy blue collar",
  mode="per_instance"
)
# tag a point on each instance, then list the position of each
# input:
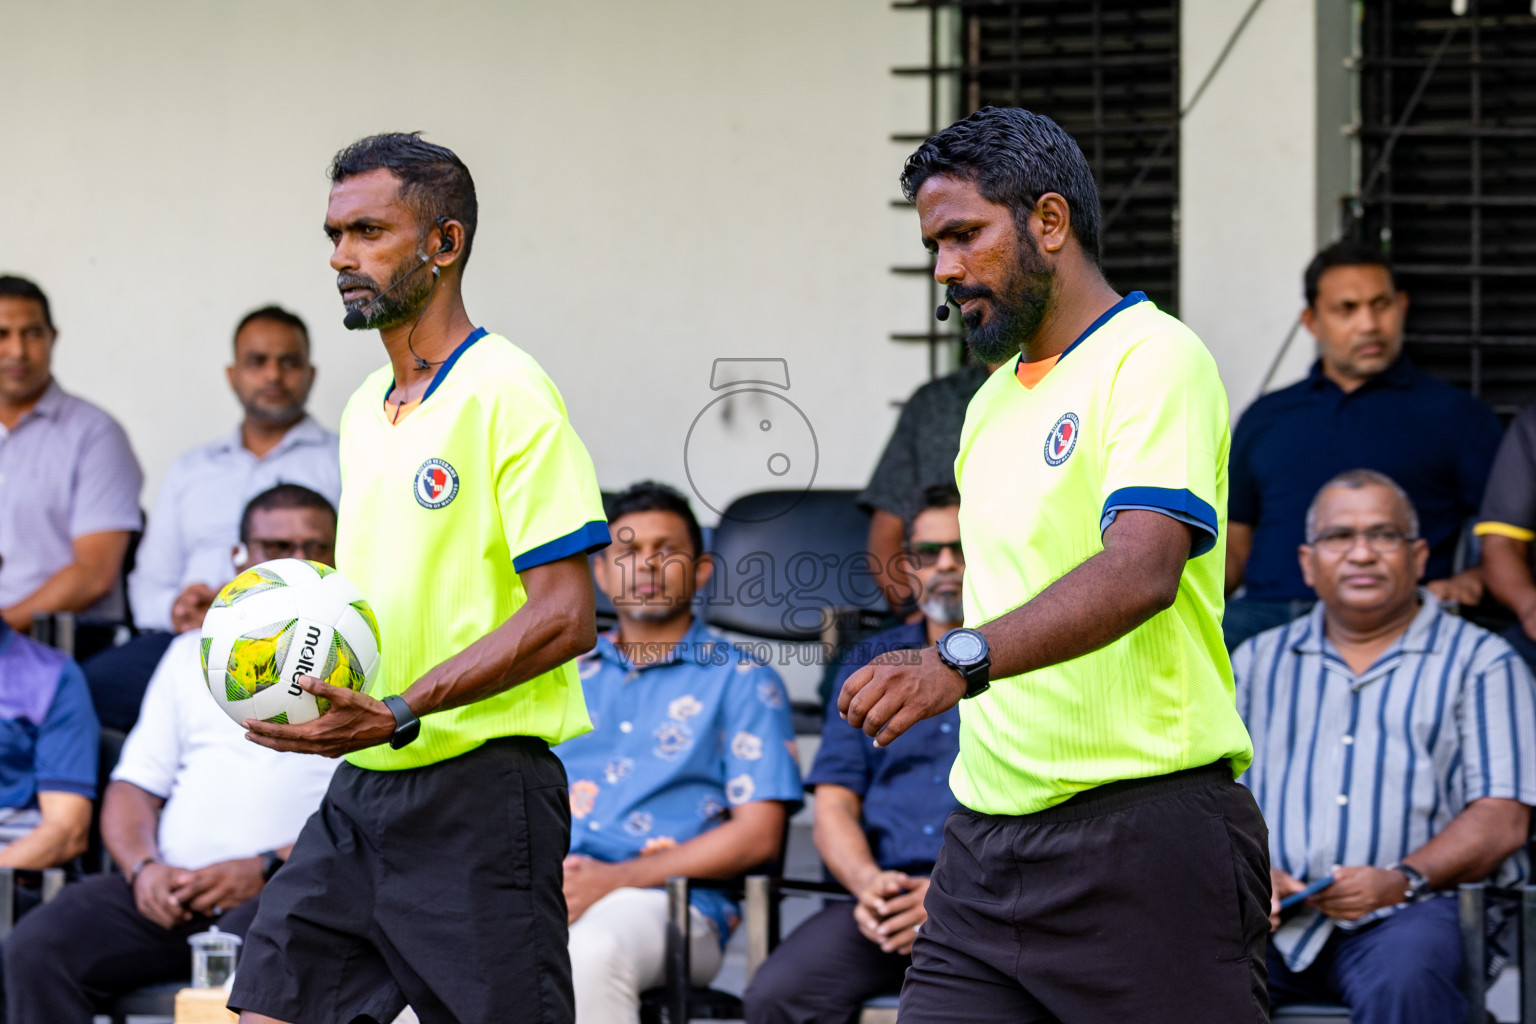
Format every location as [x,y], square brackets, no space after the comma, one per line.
[442,371]
[1130,300]
[1401,375]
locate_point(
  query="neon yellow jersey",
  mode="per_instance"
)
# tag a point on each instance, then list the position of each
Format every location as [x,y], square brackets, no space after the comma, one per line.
[1133,416]
[440,512]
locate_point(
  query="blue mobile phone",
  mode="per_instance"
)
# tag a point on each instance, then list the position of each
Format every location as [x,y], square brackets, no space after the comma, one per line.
[1296,899]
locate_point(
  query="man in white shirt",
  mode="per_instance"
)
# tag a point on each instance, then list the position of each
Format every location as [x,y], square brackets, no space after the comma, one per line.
[196,819]
[184,556]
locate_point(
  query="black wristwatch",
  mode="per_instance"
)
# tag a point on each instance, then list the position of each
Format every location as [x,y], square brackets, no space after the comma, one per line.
[270,862]
[1418,885]
[966,651]
[407,725]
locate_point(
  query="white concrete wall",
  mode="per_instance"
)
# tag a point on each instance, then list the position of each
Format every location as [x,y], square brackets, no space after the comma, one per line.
[1248,188]
[661,184]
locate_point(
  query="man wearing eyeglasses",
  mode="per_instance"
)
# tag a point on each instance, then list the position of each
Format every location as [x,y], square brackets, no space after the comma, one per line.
[880,812]
[1395,753]
[188,855]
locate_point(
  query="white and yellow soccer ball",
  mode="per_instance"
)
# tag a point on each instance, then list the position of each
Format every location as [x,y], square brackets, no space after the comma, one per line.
[280,620]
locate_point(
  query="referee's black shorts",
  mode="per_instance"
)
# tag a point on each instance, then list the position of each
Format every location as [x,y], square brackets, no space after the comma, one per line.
[1145,900]
[438,886]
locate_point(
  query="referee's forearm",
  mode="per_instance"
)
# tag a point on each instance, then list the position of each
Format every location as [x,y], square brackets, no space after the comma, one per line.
[1104,598]
[556,624]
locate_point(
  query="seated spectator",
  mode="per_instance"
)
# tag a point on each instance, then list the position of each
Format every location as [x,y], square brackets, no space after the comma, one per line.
[920,454]
[1507,525]
[879,817]
[1363,404]
[184,556]
[1395,752]
[689,768]
[196,818]
[69,484]
[48,744]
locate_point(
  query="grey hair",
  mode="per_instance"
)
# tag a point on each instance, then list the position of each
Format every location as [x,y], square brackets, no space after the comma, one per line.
[1354,479]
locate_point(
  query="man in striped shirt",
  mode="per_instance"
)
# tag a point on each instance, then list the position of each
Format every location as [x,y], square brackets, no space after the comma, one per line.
[1395,752]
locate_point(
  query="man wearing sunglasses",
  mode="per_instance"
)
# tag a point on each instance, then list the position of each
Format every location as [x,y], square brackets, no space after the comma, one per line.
[880,812]
[1395,753]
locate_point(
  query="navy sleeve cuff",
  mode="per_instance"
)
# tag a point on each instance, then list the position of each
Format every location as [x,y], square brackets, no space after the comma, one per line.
[1183,505]
[85,789]
[586,539]
[832,776]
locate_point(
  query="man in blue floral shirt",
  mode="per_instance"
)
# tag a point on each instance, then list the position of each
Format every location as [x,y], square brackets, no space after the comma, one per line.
[689,769]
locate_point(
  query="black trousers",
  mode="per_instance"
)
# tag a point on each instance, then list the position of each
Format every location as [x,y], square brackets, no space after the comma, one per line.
[438,886]
[1145,900]
[90,944]
[823,973]
[118,677]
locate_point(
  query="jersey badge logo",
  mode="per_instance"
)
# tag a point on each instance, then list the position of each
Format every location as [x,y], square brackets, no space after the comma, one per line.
[437,483]
[1062,439]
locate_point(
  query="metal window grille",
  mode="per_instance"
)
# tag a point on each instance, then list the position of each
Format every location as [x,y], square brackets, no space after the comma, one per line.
[1447,136]
[1108,72]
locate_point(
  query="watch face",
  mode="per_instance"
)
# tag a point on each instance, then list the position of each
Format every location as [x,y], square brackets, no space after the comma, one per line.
[964,647]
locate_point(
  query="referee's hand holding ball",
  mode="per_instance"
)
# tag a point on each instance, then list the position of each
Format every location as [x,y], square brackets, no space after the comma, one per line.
[891,694]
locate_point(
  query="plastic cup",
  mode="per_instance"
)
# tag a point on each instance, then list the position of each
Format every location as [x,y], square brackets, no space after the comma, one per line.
[213,957]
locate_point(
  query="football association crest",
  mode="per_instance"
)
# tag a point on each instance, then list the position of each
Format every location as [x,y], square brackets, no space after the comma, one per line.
[436,484]
[1062,439]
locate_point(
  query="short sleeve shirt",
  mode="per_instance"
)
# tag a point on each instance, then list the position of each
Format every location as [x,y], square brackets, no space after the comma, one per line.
[1367,768]
[1509,503]
[921,451]
[1289,443]
[1132,416]
[441,512]
[185,750]
[66,471]
[196,520]
[904,787]
[48,730]
[673,746]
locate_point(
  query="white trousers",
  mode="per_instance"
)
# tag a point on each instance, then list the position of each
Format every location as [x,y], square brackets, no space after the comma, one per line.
[618,950]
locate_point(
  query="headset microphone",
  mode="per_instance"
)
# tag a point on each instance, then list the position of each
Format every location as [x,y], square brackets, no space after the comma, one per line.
[942,313]
[357,319]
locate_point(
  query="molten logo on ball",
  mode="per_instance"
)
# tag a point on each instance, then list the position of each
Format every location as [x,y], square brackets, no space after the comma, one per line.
[281,620]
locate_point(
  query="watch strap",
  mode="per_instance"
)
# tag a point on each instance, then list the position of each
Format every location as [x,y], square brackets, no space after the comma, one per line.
[270,862]
[1418,884]
[407,725]
[138,869]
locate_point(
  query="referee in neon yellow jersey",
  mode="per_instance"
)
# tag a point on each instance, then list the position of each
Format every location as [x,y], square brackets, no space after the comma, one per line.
[431,873]
[1104,866]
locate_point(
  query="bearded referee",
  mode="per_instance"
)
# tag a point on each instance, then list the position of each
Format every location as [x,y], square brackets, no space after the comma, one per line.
[431,874]
[1104,866]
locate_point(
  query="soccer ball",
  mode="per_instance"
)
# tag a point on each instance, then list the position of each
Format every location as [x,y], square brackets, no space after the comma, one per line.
[280,620]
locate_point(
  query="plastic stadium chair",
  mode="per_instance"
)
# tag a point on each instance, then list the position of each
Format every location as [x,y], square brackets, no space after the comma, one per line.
[781,565]
[21,889]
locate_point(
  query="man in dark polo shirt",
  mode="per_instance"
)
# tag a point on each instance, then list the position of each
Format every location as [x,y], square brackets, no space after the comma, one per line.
[920,454]
[879,813]
[1363,406]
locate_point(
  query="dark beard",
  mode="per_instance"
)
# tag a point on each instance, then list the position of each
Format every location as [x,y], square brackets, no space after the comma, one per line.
[1017,315]
[400,306]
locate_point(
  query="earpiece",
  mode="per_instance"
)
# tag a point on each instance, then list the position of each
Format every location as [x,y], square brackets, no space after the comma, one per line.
[241,554]
[442,229]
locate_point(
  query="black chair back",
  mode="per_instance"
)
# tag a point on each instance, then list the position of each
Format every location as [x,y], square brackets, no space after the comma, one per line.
[780,564]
